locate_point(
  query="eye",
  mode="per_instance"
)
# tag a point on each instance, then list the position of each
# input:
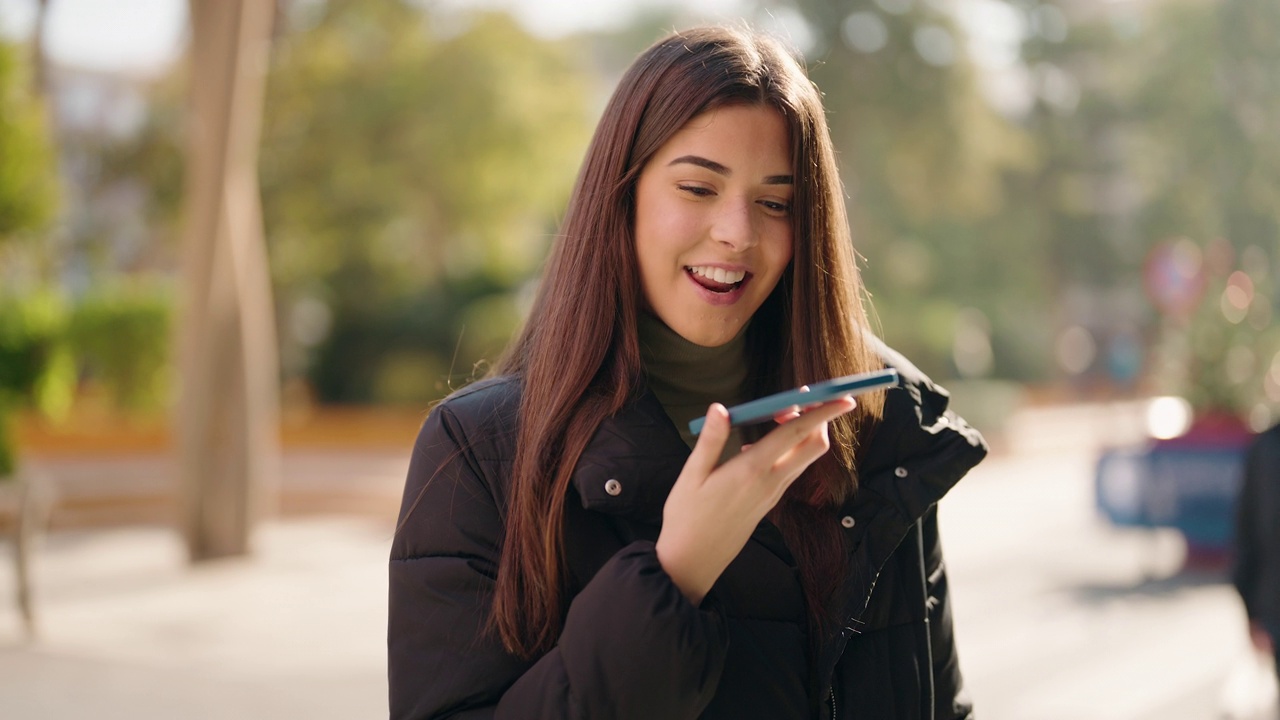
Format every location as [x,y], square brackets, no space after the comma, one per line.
[696,190]
[776,207]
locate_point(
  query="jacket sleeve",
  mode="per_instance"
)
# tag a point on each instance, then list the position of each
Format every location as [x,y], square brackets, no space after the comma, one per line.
[631,647]
[949,697]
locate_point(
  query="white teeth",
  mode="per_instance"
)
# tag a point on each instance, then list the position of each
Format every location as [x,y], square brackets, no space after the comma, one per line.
[720,275]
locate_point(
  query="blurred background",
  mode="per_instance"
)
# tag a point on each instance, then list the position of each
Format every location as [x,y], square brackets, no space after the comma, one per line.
[1068,211]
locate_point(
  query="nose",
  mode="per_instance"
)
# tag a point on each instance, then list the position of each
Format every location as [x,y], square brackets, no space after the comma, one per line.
[734,226]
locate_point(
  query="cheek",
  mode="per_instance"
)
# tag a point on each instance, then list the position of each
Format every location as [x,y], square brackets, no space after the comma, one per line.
[781,250]
[660,237]
[648,217]
[777,254]
[644,233]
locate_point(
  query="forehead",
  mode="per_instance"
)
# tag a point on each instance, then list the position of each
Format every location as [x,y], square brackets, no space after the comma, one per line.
[754,134]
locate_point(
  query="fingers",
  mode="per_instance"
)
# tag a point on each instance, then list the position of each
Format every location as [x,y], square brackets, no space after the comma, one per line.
[787,415]
[814,445]
[792,412]
[781,456]
[783,437]
[715,432]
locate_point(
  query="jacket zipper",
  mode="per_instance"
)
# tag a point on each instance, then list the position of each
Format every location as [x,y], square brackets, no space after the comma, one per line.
[833,702]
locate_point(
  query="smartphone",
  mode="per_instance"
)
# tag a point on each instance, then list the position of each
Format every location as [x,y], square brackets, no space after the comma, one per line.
[766,407]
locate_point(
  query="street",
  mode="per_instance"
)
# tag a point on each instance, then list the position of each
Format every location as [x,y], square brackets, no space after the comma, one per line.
[1060,616]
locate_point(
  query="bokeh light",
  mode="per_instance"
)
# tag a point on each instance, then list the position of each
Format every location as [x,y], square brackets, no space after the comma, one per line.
[1076,350]
[1168,417]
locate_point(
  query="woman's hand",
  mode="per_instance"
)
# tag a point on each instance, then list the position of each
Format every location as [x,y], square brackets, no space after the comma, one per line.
[712,511]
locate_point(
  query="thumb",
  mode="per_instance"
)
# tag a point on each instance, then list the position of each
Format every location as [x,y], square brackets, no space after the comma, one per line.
[715,432]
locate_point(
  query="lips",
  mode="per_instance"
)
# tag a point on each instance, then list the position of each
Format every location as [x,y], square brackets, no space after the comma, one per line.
[717,279]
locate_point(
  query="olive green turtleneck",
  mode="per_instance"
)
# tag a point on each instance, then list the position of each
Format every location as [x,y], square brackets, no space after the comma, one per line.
[687,377]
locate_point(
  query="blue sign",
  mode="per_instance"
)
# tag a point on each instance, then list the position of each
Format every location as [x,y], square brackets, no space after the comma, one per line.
[1191,489]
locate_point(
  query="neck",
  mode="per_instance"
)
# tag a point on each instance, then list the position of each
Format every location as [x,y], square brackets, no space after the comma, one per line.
[687,377]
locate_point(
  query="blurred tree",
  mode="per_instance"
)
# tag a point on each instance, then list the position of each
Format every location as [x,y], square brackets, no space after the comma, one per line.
[132,186]
[404,151]
[28,177]
[36,366]
[1211,106]
[1159,129]
[929,164]
[1082,196]
[1145,124]
[121,335]
[412,164]
[33,367]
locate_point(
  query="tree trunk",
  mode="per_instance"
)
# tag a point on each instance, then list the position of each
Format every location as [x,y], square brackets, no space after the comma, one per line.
[228,406]
[39,63]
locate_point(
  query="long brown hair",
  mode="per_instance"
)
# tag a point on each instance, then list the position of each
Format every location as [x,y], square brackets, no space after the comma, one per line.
[578,359]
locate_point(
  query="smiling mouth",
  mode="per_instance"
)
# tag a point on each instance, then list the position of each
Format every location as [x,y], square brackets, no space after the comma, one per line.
[717,280]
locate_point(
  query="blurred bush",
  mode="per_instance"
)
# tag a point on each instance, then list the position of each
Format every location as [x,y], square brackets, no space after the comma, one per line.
[121,337]
[37,368]
[116,338]
[35,365]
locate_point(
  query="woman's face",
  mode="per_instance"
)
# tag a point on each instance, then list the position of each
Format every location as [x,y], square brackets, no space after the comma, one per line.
[713,221]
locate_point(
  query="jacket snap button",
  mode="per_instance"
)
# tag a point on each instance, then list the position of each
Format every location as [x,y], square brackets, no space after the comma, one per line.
[847,521]
[900,471]
[613,487]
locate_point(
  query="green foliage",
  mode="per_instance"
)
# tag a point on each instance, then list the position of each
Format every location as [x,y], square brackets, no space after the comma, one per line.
[1176,142]
[117,336]
[1225,355]
[918,140]
[36,365]
[148,160]
[1147,124]
[28,177]
[1219,184]
[932,173]
[399,153]
[446,331]
[122,336]
[414,163]
[8,453]
[392,154]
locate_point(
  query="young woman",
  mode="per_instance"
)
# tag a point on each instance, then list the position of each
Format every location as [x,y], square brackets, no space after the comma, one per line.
[567,549]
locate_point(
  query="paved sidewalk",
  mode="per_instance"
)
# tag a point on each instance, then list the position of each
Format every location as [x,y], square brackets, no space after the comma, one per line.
[114,490]
[129,630]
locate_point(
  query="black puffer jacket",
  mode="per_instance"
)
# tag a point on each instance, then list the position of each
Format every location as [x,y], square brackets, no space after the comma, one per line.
[1257,540]
[632,645]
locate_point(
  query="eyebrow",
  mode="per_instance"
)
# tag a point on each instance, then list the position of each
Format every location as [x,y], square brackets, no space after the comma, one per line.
[717,168]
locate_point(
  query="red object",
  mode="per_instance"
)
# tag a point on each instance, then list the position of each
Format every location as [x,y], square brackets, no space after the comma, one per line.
[1217,429]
